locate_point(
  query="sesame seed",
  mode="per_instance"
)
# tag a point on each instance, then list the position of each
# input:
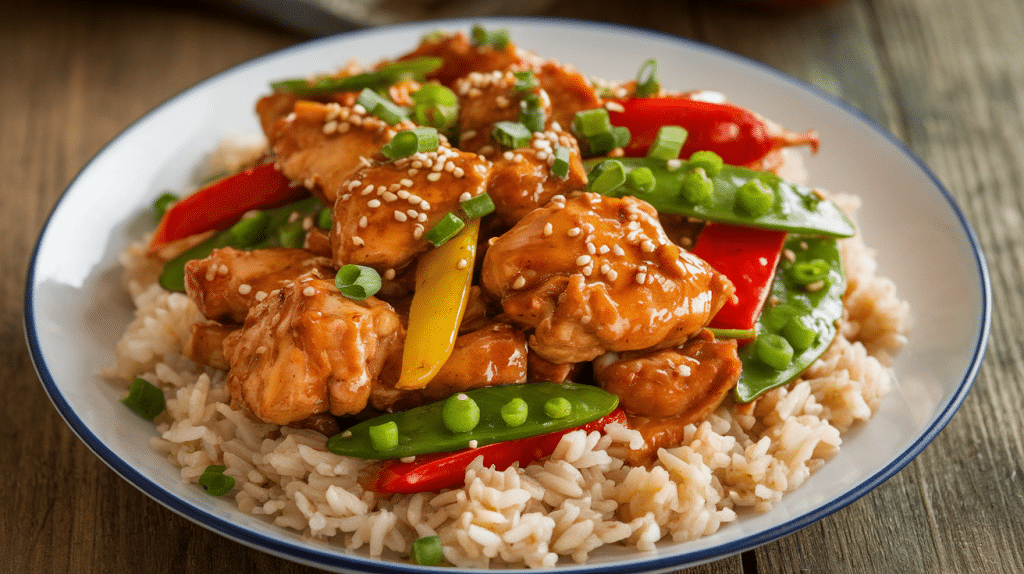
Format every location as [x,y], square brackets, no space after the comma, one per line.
[548,229]
[605,268]
[309,291]
[641,277]
[616,249]
[388,196]
[401,217]
[244,289]
[367,190]
[585,320]
[465,196]
[425,205]
[583,260]
[358,241]
[612,275]
[462,264]
[816,286]
[558,198]
[363,221]
[472,443]
[674,163]
[587,270]
[603,249]
[389,274]
[344,127]
[591,249]
[519,282]
[434,176]
[412,213]
[614,107]
[260,295]
[413,198]
[331,127]
[422,217]
[647,246]
[373,203]
[417,231]
[574,232]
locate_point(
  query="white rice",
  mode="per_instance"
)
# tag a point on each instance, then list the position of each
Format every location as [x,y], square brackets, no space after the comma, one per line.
[558,510]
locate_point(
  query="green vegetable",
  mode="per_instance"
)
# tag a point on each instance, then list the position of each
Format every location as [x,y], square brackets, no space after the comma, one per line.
[325,219]
[732,333]
[526,81]
[161,203]
[460,413]
[477,206]
[443,230]
[774,350]
[641,179]
[382,107]
[558,407]
[647,80]
[494,38]
[595,132]
[560,168]
[422,430]
[512,135]
[709,161]
[263,229]
[145,398]
[357,282]
[380,79]
[215,482]
[514,412]
[697,186]
[607,177]
[755,198]
[667,143]
[817,310]
[795,208]
[532,115]
[384,437]
[408,142]
[427,551]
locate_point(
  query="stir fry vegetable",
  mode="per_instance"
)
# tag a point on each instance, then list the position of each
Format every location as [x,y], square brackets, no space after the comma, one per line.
[379,79]
[423,430]
[433,472]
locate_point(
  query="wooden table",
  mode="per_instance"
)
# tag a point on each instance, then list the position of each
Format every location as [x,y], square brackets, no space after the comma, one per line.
[945,76]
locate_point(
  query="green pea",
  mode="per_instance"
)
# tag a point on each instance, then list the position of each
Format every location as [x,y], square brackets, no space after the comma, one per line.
[325,219]
[799,331]
[807,272]
[755,198]
[460,413]
[558,407]
[697,187]
[774,351]
[514,412]
[384,437]
[710,161]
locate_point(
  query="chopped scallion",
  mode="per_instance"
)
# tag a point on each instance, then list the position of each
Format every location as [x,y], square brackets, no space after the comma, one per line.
[448,227]
[587,123]
[512,135]
[668,143]
[531,116]
[427,551]
[494,38]
[641,179]
[215,482]
[560,168]
[145,398]
[377,105]
[607,176]
[478,206]
[526,81]
[357,282]
[408,142]
[647,79]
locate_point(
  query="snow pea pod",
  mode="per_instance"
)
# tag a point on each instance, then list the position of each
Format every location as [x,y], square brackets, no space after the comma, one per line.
[794,208]
[277,227]
[805,306]
[381,78]
[422,430]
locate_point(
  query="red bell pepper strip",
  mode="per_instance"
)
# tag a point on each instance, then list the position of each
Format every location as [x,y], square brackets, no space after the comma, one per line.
[738,135]
[748,257]
[434,472]
[220,204]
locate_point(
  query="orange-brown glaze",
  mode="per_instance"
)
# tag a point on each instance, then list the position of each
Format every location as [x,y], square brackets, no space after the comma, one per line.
[205,344]
[462,57]
[592,274]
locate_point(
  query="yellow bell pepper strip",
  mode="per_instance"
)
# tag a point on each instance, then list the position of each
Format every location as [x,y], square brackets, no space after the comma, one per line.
[443,279]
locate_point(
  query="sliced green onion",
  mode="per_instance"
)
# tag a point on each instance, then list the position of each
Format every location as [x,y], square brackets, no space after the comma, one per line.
[591,122]
[215,482]
[427,551]
[558,407]
[647,79]
[755,198]
[668,143]
[478,206]
[435,106]
[495,38]
[606,177]
[460,413]
[384,437]
[525,81]
[560,168]
[325,219]
[710,161]
[160,204]
[596,133]
[443,230]
[145,398]
[773,350]
[800,333]
[807,272]
[641,179]
[512,135]
[408,142]
[381,78]
[377,105]
[357,282]
[531,116]
[697,187]
[514,412]
[434,94]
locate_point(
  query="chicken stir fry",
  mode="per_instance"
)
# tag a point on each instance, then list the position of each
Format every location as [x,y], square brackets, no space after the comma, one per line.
[566,283]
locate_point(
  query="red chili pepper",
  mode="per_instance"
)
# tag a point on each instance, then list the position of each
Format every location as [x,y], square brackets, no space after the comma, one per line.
[223,202]
[738,135]
[448,469]
[748,257]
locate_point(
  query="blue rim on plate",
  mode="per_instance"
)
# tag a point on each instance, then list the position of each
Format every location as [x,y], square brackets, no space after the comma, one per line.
[674,555]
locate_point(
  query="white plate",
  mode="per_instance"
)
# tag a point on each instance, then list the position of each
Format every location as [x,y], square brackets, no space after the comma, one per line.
[75,310]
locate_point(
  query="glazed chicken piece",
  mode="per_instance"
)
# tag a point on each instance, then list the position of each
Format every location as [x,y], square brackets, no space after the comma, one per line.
[592,274]
[205,344]
[322,145]
[308,350]
[490,356]
[229,281]
[568,90]
[461,57]
[521,180]
[385,209]
[484,100]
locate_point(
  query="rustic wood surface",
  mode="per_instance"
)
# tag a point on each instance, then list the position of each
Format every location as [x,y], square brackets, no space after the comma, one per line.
[945,76]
